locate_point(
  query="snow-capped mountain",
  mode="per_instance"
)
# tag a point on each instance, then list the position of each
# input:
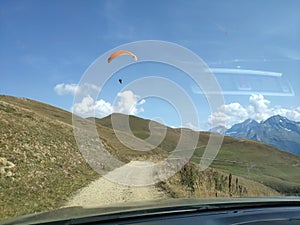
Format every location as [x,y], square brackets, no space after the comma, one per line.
[243,129]
[277,131]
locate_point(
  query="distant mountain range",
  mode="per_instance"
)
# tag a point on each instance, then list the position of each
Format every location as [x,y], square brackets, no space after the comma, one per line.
[276,131]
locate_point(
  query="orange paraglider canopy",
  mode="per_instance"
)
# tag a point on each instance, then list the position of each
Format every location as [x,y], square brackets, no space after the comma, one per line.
[121,52]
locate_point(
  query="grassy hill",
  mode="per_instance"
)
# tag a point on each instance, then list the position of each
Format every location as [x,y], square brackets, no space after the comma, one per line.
[41,166]
[265,164]
[249,159]
[189,182]
[140,128]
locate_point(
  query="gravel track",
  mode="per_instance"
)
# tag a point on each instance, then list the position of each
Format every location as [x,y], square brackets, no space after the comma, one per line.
[104,192]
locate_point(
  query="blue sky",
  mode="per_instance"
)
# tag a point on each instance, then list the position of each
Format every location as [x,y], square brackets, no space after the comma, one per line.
[48,43]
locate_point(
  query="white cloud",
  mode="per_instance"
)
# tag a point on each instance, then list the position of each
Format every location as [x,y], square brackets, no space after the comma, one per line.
[191,126]
[64,89]
[85,108]
[258,109]
[73,89]
[217,119]
[103,108]
[228,115]
[126,103]
[90,108]
[293,114]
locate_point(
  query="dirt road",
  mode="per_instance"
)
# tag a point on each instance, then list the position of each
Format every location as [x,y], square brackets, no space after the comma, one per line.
[104,191]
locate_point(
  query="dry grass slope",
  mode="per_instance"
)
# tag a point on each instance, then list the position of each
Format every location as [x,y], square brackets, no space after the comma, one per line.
[247,159]
[189,182]
[41,167]
[40,164]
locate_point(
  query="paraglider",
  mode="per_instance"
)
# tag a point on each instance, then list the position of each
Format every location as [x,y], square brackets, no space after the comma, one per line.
[121,52]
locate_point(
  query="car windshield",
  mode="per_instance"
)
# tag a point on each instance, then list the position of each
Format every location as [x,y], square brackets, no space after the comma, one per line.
[108,103]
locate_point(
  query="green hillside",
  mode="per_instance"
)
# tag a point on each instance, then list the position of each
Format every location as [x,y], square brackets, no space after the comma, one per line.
[245,158]
[41,166]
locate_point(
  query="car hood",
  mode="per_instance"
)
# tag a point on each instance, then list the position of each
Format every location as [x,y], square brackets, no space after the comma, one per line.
[156,207]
